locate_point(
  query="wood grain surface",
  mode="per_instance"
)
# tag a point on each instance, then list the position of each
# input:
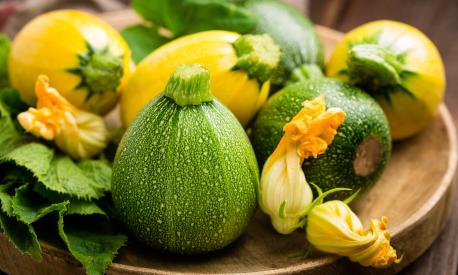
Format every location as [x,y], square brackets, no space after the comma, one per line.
[415,193]
[439,20]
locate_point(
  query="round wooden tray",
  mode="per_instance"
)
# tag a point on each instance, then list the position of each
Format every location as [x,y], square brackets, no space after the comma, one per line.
[416,193]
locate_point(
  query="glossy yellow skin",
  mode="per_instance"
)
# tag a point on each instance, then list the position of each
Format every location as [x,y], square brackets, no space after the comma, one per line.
[50,44]
[211,49]
[406,115]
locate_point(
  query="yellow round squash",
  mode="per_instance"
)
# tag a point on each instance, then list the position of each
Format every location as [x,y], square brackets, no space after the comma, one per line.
[86,60]
[399,66]
[240,68]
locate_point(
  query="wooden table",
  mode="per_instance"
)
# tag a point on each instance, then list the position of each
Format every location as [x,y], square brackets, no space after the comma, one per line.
[439,20]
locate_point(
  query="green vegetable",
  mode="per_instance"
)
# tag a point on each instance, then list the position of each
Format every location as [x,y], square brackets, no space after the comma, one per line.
[36,181]
[185,175]
[361,147]
[291,31]
[4,52]
[183,17]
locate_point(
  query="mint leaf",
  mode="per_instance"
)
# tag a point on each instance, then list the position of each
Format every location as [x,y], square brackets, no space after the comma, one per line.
[28,207]
[188,16]
[4,53]
[91,240]
[142,40]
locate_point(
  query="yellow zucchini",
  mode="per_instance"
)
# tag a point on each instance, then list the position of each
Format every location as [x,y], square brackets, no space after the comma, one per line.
[399,66]
[86,59]
[240,69]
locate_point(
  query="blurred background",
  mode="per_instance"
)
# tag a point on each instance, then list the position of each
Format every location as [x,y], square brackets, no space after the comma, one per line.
[437,18]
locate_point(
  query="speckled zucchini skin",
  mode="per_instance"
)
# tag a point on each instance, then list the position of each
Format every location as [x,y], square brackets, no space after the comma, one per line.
[364,118]
[291,31]
[185,178]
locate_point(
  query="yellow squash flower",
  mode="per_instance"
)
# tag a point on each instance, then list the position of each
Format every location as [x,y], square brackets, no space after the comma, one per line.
[332,227]
[284,194]
[78,133]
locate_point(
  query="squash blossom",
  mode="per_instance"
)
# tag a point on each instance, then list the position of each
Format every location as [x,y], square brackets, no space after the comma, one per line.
[284,193]
[332,227]
[78,133]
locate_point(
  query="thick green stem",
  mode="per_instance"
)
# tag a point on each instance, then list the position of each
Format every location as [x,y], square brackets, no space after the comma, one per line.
[189,85]
[100,71]
[258,55]
[373,67]
[305,72]
[103,72]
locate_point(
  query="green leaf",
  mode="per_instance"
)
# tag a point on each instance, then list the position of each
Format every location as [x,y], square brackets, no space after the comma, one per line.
[28,207]
[142,40]
[34,157]
[91,241]
[36,180]
[64,176]
[81,207]
[6,199]
[12,101]
[23,236]
[188,16]
[87,179]
[98,171]
[9,134]
[4,53]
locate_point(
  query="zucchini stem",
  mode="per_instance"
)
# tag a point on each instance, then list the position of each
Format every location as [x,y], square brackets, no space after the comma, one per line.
[305,72]
[258,55]
[189,85]
[100,71]
[374,67]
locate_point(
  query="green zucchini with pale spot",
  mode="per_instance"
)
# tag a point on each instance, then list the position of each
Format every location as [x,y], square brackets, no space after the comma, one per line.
[361,148]
[185,174]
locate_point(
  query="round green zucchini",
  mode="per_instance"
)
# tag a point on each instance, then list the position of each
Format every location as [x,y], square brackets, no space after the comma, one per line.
[185,175]
[361,147]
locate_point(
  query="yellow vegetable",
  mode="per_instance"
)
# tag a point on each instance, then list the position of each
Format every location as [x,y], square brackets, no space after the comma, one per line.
[284,193]
[78,133]
[399,66]
[86,59]
[333,228]
[240,68]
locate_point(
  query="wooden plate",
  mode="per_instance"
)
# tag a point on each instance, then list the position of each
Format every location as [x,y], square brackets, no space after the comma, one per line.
[416,192]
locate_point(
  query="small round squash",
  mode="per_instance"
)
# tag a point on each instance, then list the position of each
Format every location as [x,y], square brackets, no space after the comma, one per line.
[87,60]
[185,175]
